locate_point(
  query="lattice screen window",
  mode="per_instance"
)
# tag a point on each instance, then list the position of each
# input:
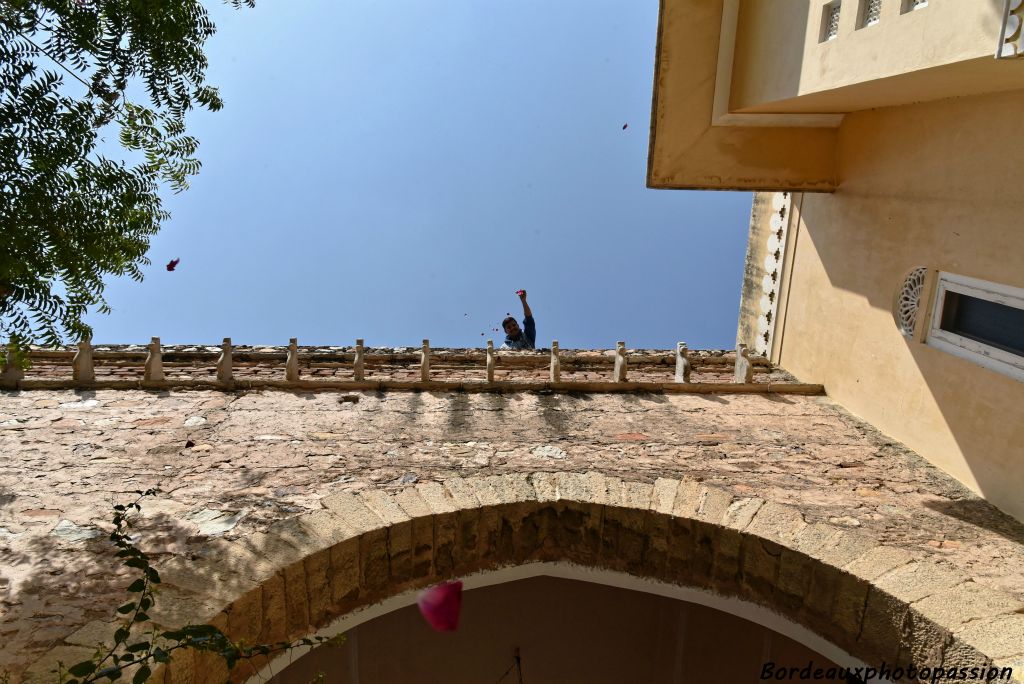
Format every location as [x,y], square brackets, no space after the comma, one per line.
[830,20]
[870,12]
[911,5]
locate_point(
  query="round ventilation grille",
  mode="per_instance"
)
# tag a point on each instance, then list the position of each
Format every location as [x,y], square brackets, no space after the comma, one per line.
[908,300]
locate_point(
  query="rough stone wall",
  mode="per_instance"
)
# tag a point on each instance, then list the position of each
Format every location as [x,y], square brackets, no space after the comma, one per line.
[259,458]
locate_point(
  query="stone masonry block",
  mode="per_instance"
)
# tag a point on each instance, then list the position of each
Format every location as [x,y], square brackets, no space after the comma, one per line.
[447,534]
[759,568]
[687,499]
[546,487]
[713,504]
[613,491]
[245,616]
[924,642]
[384,506]
[485,491]
[210,667]
[794,581]
[514,487]
[353,512]
[597,485]
[656,528]
[434,496]
[318,588]
[777,522]
[960,604]
[296,600]
[575,487]
[576,532]
[637,495]
[214,581]
[882,627]
[413,503]
[1000,638]
[725,566]
[680,551]
[878,561]
[374,561]
[848,610]
[623,539]
[327,526]
[815,537]
[843,548]
[462,494]
[915,581]
[741,512]
[274,623]
[344,576]
[663,497]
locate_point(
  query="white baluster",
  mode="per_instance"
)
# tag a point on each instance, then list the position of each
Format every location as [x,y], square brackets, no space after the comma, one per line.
[425,362]
[291,364]
[619,374]
[744,372]
[82,369]
[225,363]
[490,360]
[358,363]
[154,362]
[683,365]
[556,364]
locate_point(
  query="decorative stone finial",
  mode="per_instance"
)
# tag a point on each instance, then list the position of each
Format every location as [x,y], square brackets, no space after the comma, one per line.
[490,360]
[744,368]
[154,362]
[291,365]
[225,369]
[81,366]
[425,362]
[556,364]
[357,362]
[683,365]
[12,373]
[620,362]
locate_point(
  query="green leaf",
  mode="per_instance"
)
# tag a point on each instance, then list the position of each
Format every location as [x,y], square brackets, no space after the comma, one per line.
[138,646]
[136,586]
[126,608]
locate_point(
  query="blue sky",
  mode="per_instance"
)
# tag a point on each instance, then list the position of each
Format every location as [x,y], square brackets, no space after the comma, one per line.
[395,171]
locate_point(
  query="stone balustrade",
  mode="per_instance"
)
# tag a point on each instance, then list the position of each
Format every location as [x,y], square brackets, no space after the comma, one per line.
[239,367]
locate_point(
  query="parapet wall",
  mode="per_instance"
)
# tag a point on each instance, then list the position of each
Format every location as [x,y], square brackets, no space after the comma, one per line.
[399,368]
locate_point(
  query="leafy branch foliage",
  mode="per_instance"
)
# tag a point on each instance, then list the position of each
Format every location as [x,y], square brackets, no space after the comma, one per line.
[139,654]
[69,216]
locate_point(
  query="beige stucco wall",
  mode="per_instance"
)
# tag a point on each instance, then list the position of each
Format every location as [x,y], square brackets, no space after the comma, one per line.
[934,185]
[779,54]
[566,631]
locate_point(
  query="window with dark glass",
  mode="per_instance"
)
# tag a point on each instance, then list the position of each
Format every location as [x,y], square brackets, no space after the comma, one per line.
[991,323]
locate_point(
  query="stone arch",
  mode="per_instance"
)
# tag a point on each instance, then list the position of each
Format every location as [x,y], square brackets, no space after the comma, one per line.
[872,601]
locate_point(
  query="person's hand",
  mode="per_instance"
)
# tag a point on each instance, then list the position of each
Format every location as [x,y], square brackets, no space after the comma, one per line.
[521,293]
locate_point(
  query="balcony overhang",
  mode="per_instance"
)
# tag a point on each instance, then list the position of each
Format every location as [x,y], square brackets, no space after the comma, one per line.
[696,143]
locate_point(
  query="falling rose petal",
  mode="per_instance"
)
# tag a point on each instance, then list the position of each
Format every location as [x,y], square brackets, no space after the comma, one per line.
[625,126]
[520,292]
[172,263]
[440,605]
[189,444]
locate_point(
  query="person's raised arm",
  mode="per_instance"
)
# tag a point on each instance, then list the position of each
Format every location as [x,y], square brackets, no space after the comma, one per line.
[526,307]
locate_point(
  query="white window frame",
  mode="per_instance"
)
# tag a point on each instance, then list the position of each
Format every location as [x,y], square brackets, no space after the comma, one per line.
[999,360]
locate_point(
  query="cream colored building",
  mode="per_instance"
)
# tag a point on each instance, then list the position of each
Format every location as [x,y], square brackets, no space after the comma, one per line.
[886,258]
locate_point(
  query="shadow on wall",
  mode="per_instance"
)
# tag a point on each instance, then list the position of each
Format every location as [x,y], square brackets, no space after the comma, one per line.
[937,194]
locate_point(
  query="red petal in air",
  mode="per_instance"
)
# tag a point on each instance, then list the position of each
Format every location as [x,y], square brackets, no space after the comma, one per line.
[172,263]
[441,604]
[625,126]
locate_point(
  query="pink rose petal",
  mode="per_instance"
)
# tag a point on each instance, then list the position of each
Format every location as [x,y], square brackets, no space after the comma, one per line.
[441,604]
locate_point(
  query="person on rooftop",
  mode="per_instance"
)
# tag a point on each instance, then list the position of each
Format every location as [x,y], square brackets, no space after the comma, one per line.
[516,337]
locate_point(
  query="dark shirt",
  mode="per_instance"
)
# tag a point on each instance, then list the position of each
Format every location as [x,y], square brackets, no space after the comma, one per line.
[527,338]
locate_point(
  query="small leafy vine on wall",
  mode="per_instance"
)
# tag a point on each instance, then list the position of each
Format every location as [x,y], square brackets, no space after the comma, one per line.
[137,654]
